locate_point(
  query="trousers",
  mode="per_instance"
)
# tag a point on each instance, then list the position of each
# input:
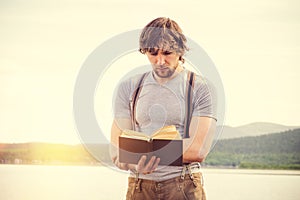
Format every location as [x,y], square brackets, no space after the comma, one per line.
[185,187]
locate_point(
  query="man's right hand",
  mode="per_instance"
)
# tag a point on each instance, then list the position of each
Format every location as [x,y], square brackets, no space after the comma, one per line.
[141,167]
[147,168]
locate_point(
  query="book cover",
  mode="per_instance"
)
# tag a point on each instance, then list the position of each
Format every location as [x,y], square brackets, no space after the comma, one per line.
[166,143]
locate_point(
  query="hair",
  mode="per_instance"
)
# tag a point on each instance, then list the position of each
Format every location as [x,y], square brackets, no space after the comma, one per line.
[165,34]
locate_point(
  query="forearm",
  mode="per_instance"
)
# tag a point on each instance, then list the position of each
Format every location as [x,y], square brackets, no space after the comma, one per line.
[202,131]
[116,130]
[192,151]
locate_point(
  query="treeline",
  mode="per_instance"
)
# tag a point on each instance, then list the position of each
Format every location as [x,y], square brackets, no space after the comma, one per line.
[273,151]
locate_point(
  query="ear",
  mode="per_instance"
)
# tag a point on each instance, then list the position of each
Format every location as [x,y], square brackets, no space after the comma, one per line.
[181,59]
[142,51]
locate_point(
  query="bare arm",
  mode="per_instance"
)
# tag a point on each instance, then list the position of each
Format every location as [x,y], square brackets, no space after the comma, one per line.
[116,130]
[202,131]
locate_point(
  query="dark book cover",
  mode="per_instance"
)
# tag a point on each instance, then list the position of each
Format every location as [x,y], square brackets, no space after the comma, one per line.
[169,151]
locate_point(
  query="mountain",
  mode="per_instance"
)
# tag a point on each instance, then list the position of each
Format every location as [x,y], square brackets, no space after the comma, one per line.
[253,129]
[272,151]
[259,128]
[228,132]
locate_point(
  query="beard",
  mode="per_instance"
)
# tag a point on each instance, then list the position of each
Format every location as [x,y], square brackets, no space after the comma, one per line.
[163,71]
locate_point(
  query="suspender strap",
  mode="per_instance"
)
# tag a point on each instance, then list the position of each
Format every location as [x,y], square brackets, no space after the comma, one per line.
[134,98]
[188,103]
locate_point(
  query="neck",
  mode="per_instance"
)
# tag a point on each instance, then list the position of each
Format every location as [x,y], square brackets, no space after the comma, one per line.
[164,80]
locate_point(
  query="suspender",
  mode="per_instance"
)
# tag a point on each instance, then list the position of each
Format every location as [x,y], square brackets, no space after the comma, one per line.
[188,101]
[135,96]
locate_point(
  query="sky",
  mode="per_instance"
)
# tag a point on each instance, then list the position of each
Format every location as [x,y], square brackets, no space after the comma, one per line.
[254,45]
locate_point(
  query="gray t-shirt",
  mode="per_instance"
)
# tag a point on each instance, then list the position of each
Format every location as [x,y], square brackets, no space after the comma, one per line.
[162,105]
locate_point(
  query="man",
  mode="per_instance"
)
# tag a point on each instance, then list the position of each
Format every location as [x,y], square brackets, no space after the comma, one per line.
[161,101]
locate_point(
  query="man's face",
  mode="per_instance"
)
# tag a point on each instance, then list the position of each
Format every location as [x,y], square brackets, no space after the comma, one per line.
[164,63]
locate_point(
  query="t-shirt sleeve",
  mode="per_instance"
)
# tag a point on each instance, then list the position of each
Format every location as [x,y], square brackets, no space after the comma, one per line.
[205,99]
[121,104]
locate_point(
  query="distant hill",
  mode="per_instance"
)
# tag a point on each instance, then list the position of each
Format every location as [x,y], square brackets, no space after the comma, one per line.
[229,132]
[253,129]
[277,150]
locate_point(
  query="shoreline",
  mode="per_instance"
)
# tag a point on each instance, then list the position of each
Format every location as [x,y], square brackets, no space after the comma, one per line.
[206,170]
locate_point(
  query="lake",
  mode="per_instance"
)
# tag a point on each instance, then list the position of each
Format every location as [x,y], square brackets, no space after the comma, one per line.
[35,182]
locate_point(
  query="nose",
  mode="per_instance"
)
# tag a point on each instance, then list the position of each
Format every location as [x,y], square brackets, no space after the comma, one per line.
[160,59]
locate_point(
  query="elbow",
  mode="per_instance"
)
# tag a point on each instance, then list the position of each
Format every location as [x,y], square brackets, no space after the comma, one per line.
[193,156]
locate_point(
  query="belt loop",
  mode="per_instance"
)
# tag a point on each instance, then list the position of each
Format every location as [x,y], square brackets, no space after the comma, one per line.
[183,172]
[191,174]
[136,176]
[137,181]
[138,184]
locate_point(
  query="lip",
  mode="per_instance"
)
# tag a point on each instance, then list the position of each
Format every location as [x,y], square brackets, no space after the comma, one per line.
[162,68]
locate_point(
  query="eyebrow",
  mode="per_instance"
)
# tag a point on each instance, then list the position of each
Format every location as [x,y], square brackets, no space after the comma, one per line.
[155,51]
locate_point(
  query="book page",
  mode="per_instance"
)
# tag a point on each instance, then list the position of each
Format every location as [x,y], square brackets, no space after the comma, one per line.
[167,132]
[168,136]
[134,134]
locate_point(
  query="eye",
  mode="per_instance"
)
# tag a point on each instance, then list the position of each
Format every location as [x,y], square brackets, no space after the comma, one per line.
[153,51]
[167,53]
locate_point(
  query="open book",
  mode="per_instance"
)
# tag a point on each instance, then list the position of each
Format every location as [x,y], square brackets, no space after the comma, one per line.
[165,143]
[165,133]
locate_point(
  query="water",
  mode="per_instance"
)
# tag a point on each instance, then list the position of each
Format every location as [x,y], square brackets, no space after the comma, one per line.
[33,182]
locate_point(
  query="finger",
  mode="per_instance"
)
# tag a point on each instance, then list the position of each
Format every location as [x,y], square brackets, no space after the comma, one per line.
[114,159]
[149,165]
[155,165]
[141,164]
[123,166]
[132,166]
